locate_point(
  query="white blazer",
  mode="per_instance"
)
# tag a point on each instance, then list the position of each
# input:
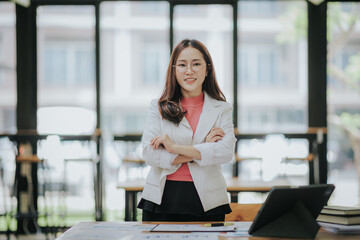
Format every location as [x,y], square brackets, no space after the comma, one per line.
[206,173]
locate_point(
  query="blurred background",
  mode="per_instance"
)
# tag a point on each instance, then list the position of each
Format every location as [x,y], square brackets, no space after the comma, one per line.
[272,93]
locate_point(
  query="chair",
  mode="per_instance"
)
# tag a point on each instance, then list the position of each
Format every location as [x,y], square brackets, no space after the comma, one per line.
[242,212]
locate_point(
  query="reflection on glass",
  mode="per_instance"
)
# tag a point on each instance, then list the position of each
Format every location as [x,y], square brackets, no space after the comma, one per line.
[343,96]
[7,68]
[213,26]
[272,66]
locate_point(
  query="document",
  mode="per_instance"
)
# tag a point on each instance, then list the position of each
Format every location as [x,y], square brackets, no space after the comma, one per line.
[192,228]
[104,230]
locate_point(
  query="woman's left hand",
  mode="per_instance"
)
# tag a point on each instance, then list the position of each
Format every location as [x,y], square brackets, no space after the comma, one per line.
[163,141]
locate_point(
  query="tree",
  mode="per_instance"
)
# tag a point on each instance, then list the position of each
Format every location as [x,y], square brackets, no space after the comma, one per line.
[342,19]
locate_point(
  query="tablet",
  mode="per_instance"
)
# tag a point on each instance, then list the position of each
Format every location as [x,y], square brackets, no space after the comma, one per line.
[287,211]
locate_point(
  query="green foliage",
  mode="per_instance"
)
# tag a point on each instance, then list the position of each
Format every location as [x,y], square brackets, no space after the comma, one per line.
[351,120]
[294,25]
[353,69]
[339,19]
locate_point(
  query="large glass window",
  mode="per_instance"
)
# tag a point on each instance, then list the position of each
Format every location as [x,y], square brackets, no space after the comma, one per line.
[7,104]
[343,94]
[272,66]
[261,8]
[213,26]
[67,103]
[135,53]
[69,64]
[66,64]
[7,68]
[134,56]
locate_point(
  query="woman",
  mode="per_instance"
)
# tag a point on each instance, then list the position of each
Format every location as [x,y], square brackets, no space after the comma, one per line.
[188,135]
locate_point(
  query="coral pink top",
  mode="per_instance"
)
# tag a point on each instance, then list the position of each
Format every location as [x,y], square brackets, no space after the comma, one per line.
[193,106]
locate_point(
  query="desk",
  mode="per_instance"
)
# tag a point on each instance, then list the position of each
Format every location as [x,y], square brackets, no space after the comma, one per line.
[234,187]
[136,230]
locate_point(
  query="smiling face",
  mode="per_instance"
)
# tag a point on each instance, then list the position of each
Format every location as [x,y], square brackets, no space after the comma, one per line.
[190,71]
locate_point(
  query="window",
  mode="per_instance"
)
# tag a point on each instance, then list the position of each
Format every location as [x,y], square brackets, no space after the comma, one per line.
[343,94]
[55,66]
[66,56]
[267,58]
[69,64]
[341,61]
[213,26]
[135,56]
[7,67]
[154,64]
[260,8]
[272,66]
[135,122]
[154,9]
[267,117]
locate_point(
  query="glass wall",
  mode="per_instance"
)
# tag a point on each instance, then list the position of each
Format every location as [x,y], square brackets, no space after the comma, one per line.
[343,94]
[272,88]
[67,105]
[272,66]
[66,69]
[7,67]
[134,58]
[213,26]
[7,104]
[135,52]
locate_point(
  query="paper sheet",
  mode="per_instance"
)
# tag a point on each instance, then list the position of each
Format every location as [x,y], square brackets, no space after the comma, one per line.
[191,228]
[177,236]
[104,230]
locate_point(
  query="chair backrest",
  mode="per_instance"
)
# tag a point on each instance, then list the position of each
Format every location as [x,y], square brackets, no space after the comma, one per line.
[242,212]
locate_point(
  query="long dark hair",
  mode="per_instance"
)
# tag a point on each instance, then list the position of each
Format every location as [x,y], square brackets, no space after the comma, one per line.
[169,102]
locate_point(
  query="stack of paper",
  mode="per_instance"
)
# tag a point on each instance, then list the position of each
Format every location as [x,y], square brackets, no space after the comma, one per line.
[341,229]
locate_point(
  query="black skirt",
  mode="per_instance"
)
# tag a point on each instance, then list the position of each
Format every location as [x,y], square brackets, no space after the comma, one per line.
[181,198]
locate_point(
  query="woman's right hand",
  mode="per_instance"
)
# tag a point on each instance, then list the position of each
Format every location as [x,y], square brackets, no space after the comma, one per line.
[215,135]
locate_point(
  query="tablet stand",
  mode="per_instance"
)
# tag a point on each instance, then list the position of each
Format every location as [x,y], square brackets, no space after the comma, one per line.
[296,223]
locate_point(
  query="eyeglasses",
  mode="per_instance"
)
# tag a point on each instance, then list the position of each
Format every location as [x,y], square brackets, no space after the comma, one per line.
[196,66]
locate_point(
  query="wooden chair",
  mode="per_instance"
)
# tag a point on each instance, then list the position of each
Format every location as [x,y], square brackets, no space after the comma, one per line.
[242,212]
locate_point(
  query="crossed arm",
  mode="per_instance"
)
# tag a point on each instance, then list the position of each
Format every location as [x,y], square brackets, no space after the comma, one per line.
[186,153]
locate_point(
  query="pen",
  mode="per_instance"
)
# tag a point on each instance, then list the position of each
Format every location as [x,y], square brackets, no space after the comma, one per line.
[217,224]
